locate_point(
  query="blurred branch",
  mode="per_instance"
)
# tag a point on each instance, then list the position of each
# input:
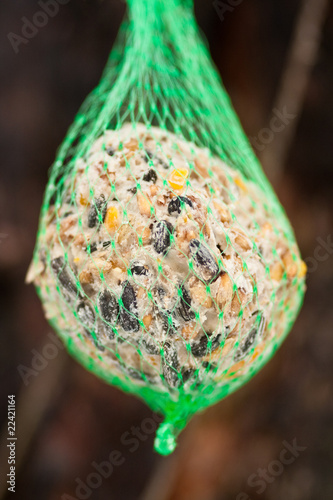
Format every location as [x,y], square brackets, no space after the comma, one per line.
[162,479]
[291,92]
[32,404]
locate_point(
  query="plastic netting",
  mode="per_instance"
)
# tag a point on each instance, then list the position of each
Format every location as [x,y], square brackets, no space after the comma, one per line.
[164,260]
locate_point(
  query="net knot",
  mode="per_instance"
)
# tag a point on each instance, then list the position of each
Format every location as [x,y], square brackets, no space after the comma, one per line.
[165,440]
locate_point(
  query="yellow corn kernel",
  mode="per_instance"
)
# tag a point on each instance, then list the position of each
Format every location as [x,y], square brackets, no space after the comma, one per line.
[178,178]
[76,260]
[240,184]
[276,271]
[290,265]
[236,368]
[258,350]
[112,219]
[83,200]
[303,269]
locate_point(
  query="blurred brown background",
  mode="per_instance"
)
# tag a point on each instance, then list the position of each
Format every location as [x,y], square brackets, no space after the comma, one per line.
[66,417]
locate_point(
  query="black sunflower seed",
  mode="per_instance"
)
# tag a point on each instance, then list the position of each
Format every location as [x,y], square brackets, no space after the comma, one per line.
[106,244]
[187,374]
[170,365]
[203,261]
[110,332]
[137,375]
[169,328]
[176,204]
[246,345]
[91,248]
[129,310]
[162,236]
[165,301]
[200,348]
[133,373]
[110,151]
[163,163]
[150,176]
[133,190]
[208,366]
[150,346]
[68,201]
[139,270]
[216,343]
[148,156]
[160,295]
[108,306]
[61,270]
[86,315]
[95,341]
[98,206]
[221,249]
[184,307]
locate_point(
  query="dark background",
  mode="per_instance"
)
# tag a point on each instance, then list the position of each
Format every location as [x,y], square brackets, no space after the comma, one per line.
[66,417]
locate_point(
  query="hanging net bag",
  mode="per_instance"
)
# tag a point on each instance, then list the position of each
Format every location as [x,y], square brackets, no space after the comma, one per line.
[164,260]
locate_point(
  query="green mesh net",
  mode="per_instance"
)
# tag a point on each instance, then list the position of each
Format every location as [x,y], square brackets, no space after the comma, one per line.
[164,259]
